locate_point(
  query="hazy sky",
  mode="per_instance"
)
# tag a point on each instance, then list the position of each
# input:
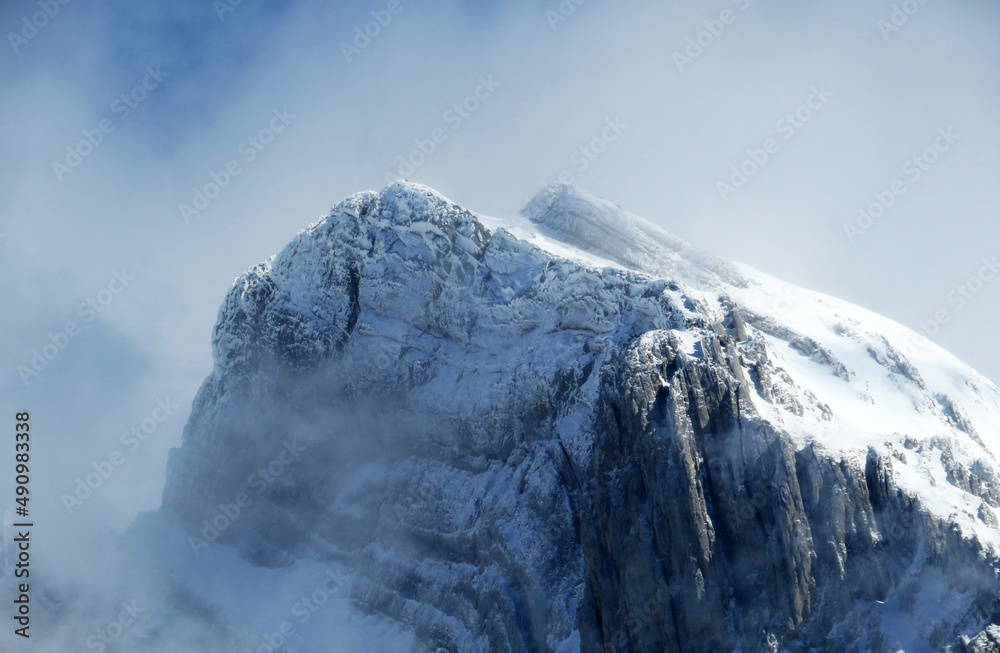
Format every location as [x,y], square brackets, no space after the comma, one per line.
[839,103]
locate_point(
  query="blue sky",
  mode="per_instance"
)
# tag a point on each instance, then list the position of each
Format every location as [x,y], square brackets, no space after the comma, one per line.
[557,83]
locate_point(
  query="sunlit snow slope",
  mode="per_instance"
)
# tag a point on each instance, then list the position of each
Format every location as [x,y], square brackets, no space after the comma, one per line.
[842,377]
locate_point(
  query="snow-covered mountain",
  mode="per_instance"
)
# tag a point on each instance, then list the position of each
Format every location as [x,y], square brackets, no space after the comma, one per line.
[571,431]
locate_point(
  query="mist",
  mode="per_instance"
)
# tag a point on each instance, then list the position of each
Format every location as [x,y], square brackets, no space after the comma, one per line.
[121,119]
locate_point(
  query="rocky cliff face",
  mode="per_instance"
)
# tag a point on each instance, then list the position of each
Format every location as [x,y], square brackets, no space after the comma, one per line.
[575,432]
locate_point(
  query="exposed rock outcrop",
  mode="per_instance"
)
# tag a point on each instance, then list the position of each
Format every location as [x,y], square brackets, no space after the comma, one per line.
[591,437]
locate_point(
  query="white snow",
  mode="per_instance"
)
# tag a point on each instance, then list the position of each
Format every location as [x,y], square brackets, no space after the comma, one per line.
[877,406]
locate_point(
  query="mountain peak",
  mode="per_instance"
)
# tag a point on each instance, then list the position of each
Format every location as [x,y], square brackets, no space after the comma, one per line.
[401,202]
[411,199]
[585,426]
[571,212]
[558,196]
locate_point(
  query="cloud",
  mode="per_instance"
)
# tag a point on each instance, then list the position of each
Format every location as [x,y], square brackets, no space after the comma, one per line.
[559,83]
